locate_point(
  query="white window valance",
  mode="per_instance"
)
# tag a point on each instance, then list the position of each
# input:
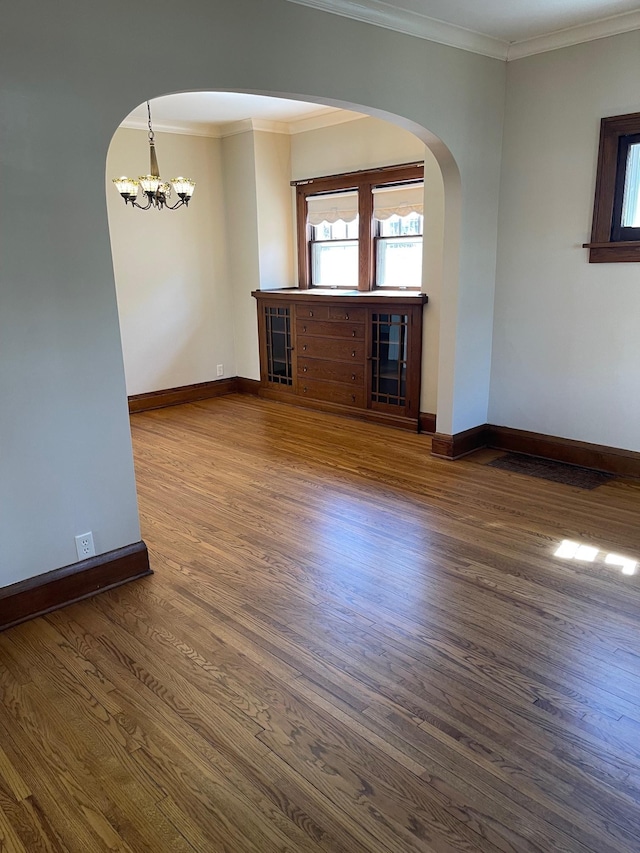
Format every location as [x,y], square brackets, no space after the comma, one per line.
[399,200]
[332,207]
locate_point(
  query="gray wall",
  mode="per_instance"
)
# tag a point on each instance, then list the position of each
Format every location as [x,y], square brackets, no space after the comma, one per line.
[66,82]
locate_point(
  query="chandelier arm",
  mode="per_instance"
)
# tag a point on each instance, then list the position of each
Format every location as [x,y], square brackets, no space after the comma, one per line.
[142,207]
[177,204]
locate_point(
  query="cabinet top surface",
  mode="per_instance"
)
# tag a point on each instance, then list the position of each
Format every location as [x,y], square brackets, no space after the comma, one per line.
[319,294]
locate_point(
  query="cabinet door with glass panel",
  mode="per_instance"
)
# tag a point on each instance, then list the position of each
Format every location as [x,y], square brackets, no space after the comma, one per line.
[394,360]
[275,333]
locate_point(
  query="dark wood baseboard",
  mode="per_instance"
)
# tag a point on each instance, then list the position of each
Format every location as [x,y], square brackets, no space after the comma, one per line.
[239,384]
[183,394]
[370,415]
[614,460]
[248,386]
[52,590]
[458,445]
[427,421]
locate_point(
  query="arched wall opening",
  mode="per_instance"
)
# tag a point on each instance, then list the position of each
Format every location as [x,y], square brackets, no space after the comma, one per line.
[185,311]
[67,458]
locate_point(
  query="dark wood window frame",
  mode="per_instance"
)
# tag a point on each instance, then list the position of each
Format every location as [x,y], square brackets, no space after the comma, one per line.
[609,242]
[364,182]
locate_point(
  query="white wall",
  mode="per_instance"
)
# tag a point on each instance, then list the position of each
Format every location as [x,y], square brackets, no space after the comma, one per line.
[367,143]
[65,452]
[172,281]
[239,165]
[364,143]
[275,220]
[260,231]
[566,353]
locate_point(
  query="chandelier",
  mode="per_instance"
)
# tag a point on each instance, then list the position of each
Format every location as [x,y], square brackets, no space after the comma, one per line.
[157,191]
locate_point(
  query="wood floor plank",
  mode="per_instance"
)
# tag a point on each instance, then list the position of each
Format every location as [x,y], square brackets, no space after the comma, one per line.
[347,646]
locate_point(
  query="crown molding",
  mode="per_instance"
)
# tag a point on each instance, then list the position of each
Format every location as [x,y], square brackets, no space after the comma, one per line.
[412,24]
[385,15]
[613,26]
[327,118]
[323,118]
[184,128]
[246,125]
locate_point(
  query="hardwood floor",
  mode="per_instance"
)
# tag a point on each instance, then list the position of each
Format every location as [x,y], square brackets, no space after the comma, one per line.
[347,646]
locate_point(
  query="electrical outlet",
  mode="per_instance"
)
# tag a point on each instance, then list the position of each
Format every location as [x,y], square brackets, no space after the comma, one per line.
[220,369]
[85,546]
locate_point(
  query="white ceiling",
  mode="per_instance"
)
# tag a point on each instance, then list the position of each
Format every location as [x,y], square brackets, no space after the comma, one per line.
[224,113]
[507,29]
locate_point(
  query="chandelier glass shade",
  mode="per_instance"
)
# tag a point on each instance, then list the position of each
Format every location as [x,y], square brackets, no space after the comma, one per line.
[155,191]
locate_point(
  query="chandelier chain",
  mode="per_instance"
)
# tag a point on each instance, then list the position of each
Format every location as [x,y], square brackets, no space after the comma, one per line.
[151,133]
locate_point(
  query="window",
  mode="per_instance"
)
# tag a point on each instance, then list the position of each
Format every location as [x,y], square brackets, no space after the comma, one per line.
[397,214]
[615,236]
[362,230]
[332,220]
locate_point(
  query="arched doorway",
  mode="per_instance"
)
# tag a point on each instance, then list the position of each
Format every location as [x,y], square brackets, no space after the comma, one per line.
[177,313]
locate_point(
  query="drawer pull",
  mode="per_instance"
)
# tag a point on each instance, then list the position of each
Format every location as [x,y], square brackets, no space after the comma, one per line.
[304,346]
[346,315]
[353,353]
[353,397]
[305,368]
[305,389]
[353,334]
[304,328]
[311,315]
[353,377]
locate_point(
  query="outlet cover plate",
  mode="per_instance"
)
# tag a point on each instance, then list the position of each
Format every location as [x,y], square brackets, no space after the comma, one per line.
[84,546]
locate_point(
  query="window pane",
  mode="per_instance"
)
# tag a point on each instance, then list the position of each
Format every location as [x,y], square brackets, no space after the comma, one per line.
[397,226]
[399,262]
[336,230]
[631,198]
[334,264]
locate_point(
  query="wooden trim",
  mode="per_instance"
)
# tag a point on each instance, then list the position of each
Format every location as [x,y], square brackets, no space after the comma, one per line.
[365,235]
[624,252]
[390,297]
[42,594]
[362,175]
[458,445]
[605,250]
[302,238]
[281,396]
[427,422]
[614,460]
[182,394]
[248,386]
[362,181]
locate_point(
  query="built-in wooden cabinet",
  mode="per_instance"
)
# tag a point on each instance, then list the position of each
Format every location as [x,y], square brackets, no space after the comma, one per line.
[355,353]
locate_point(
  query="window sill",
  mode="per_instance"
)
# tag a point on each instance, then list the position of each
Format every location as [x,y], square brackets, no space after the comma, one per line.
[621,252]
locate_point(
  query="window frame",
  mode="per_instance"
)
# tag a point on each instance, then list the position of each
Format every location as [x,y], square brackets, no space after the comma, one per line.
[610,242]
[363,182]
[377,239]
[313,241]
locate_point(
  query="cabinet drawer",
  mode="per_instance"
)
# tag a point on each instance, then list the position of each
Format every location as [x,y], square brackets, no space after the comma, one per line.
[345,312]
[332,371]
[334,349]
[331,392]
[329,329]
[308,312]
